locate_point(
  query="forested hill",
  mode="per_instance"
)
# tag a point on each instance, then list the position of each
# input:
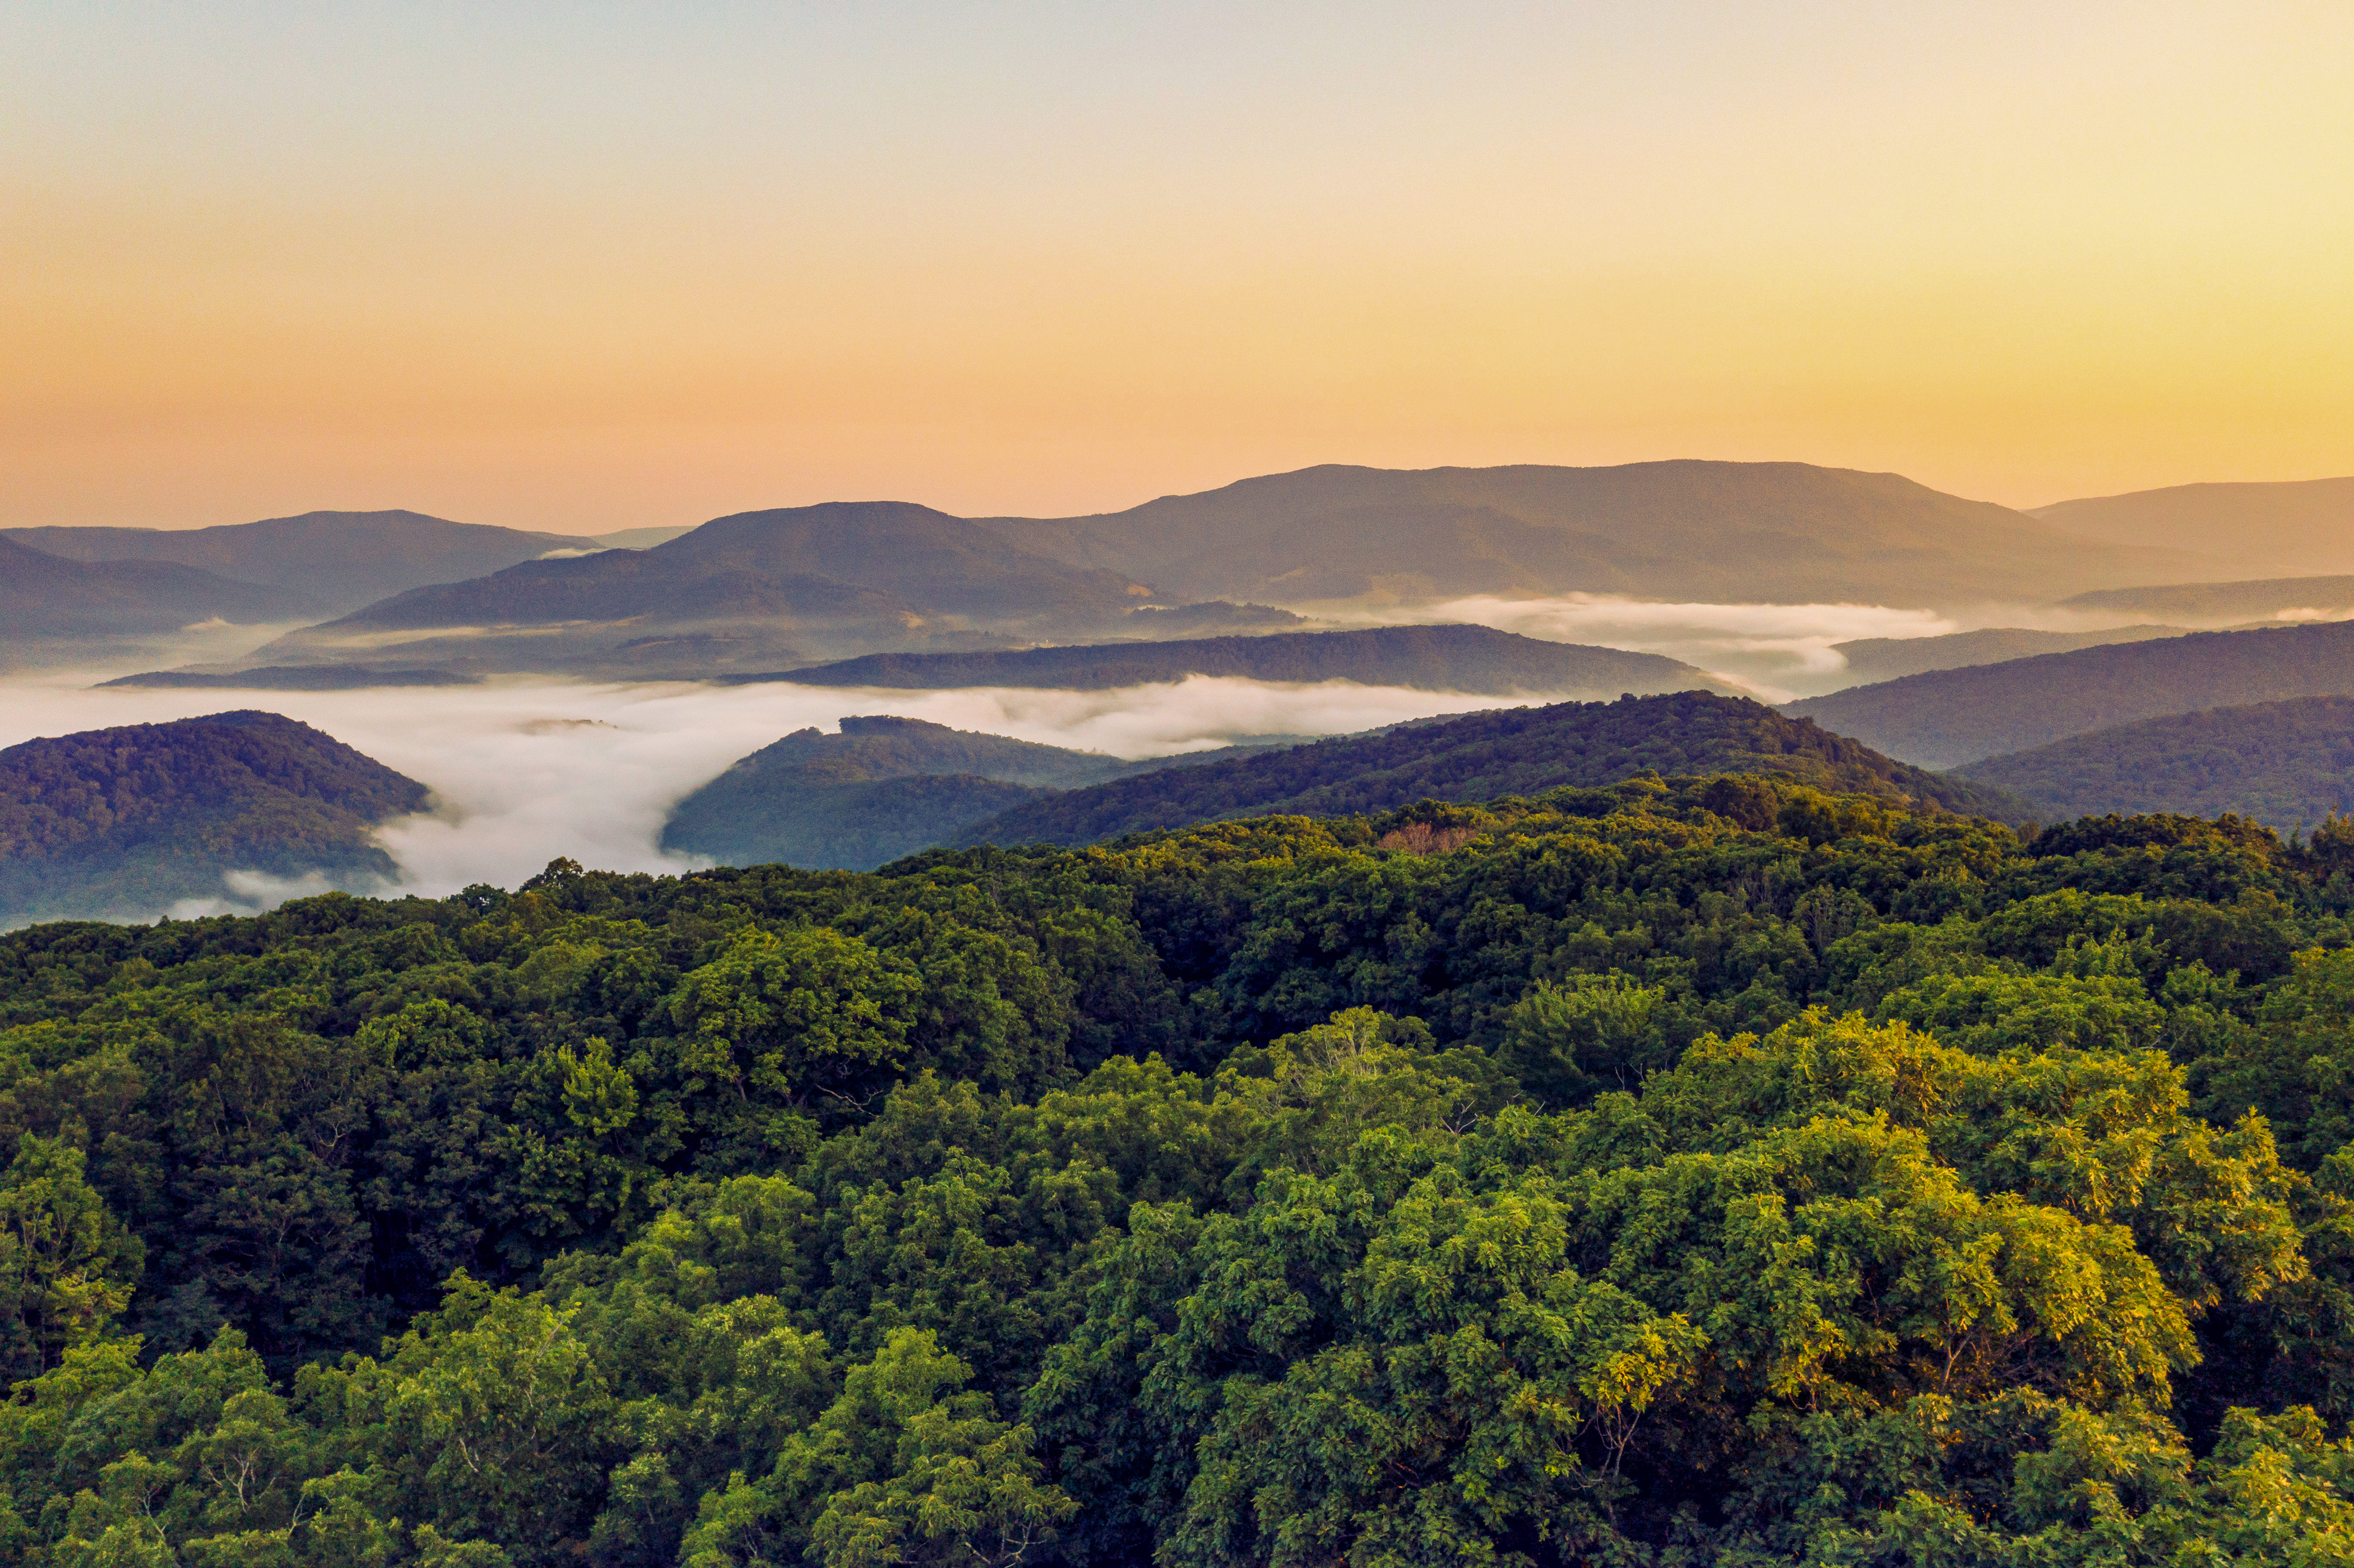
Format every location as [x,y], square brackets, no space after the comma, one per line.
[883,787]
[1947,717]
[2288,765]
[1521,752]
[138,817]
[1596,1179]
[1426,658]
[1870,658]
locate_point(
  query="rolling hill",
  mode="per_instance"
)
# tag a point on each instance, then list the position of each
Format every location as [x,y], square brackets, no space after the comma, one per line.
[1947,717]
[2289,765]
[128,821]
[334,560]
[883,787]
[2298,525]
[1886,658]
[1520,752]
[45,595]
[1425,658]
[1717,531]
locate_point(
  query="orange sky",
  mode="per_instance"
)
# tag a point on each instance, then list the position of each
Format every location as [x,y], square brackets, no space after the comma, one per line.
[587,268]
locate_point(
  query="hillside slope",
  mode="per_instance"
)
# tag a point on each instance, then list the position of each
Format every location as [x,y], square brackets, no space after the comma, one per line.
[883,787]
[2297,526]
[1425,658]
[47,596]
[1484,756]
[1721,531]
[133,819]
[2289,765]
[338,560]
[1948,718]
[1886,658]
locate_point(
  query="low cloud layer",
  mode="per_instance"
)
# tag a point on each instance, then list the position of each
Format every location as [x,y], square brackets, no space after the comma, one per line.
[527,770]
[1781,651]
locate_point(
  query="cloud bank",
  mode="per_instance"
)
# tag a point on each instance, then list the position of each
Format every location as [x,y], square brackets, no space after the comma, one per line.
[526,771]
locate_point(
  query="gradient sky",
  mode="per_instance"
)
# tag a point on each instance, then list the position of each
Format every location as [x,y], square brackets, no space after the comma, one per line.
[595,266]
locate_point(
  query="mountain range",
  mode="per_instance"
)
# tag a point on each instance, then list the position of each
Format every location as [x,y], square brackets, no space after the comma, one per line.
[1725,531]
[139,817]
[1885,657]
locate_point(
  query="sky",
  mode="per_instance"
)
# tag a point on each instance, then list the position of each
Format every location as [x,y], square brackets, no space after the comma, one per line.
[596,266]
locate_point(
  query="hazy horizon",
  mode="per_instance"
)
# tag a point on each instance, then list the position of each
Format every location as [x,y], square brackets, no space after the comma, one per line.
[598,269]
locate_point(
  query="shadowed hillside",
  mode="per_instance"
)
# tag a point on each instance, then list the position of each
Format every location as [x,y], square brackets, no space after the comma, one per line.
[1426,658]
[135,818]
[2288,765]
[1522,752]
[1947,717]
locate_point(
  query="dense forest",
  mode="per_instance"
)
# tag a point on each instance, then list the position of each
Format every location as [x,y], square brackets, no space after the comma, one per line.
[139,816]
[2288,765]
[1948,718]
[1697,1171]
[1477,758]
[1425,658]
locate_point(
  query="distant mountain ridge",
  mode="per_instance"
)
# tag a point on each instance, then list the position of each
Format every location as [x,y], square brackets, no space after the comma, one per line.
[47,596]
[2289,765]
[1524,751]
[1687,529]
[2286,526]
[336,560]
[1426,658]
[777,585]
[1948,718]
[134,818]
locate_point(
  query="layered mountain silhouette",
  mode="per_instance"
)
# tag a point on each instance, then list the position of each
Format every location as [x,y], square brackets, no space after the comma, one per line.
[1947,717]
[127,822]
[2292,526]
[767,582]
[1524,751]
[45,595]
[1787,533]
[1426,658]
[2288,765]
[334,560]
